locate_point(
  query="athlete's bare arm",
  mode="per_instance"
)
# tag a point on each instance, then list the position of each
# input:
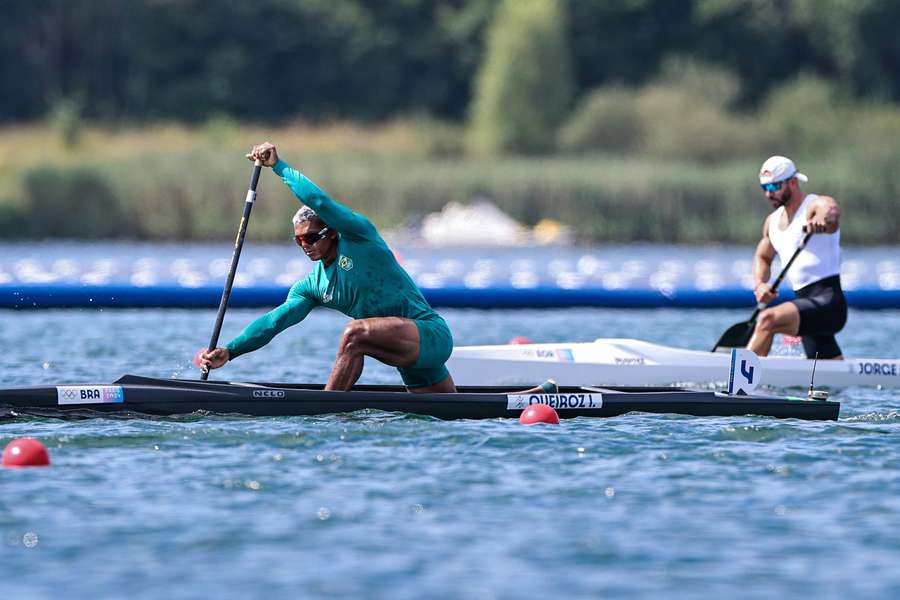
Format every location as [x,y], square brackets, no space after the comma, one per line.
[762,266]
[823,215]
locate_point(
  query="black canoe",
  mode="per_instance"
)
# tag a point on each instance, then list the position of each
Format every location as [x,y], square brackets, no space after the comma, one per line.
[135,395]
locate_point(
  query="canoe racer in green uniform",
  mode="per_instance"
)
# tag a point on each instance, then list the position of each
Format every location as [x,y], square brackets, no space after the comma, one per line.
[357,274]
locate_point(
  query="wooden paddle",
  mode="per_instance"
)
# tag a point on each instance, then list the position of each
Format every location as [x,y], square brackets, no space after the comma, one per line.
[235,257]
[739,334]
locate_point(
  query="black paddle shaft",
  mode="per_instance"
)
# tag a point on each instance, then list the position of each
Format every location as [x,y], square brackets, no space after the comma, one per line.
[235,257]
[781,275]
[738,335]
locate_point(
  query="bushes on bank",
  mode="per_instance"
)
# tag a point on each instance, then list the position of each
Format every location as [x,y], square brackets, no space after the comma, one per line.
[75,203]
[686,114]
[608,120]
[805,115]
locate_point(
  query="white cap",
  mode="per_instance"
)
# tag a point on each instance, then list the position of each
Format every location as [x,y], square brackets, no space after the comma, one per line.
[779,168]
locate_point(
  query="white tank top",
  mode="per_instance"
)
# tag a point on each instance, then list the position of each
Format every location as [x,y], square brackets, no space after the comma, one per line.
[820,259]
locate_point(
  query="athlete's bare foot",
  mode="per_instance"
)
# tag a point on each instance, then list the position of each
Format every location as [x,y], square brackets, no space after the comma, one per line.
[548,387]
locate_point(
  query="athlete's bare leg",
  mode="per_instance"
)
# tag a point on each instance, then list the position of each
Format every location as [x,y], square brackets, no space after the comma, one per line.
[784,318]
[392,340]
[548,387]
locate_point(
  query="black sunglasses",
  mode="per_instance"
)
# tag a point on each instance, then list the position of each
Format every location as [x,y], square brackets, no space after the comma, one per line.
[311,238]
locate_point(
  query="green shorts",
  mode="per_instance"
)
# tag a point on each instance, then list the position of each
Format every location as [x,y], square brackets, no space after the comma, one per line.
[435,346]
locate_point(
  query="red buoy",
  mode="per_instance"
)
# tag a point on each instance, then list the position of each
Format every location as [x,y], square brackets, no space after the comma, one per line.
[520,339]
[25,452]
[539,413]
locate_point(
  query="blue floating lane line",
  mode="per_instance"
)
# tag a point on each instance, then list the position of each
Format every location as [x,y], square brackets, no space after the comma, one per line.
[123,295]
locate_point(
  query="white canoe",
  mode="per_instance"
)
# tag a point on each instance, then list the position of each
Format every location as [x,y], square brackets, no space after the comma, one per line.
[629,362]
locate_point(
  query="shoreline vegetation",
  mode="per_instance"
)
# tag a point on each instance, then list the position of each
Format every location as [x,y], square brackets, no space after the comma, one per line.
[655,163]
[626,121]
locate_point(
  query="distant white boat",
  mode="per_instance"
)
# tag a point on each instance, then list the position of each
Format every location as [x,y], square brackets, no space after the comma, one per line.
[630,362]
[481,223]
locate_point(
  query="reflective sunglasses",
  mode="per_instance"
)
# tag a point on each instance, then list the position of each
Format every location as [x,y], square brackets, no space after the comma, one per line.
[311,238]
[774,186]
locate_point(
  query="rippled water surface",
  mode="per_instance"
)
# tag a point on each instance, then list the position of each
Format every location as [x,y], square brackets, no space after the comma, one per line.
[377,505]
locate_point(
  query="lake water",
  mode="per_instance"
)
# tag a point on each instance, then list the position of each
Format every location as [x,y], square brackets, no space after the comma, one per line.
[376,505]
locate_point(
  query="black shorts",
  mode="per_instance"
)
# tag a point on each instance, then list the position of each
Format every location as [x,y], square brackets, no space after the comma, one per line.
[823,312]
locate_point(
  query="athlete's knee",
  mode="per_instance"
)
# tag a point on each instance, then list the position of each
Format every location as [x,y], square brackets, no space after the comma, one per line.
[767,321]
[355,335]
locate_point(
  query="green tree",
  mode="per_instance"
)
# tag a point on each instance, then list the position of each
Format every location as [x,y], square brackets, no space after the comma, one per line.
[858,41]
[623,41]
[524,87]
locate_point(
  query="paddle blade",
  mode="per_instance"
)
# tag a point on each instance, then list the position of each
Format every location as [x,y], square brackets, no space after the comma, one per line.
[736,336]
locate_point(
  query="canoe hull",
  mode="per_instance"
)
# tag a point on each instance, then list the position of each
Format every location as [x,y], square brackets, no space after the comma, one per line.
[136,396]
[634,362]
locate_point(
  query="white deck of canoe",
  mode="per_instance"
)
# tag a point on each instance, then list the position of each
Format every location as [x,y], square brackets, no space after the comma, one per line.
[622,361]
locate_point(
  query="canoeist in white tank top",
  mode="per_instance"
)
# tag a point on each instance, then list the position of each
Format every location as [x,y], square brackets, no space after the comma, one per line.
[819,310]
